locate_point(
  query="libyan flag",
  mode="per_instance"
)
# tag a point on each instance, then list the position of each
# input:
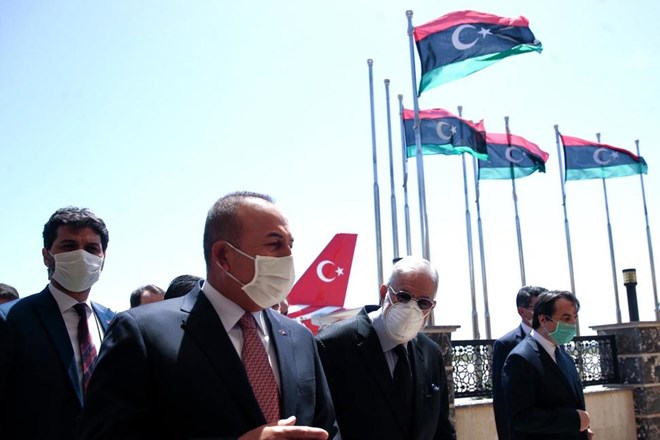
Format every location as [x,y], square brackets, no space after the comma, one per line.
[591,160]
[510,157]
[463,42]
[444,133]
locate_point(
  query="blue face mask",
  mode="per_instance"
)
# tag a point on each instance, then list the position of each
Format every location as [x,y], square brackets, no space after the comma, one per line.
[564,332]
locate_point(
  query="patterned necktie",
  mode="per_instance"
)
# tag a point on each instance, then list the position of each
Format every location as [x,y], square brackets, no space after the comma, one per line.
[258,369]
[87,349]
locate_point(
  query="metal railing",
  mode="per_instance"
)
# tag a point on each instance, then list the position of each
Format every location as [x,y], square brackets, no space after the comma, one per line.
[472,361]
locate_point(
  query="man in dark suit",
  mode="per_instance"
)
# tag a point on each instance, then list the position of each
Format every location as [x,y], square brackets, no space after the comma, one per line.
[525,301]
[387,379]
[44,366]
[541,385]
[217,362]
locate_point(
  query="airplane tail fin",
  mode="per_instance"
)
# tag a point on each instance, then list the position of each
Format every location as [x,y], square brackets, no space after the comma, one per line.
[325,282]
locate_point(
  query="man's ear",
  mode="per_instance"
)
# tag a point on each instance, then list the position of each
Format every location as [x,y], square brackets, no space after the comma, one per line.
[219,254]
[46,256]
[383,292]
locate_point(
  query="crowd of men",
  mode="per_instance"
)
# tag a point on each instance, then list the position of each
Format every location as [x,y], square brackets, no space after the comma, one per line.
[217,357]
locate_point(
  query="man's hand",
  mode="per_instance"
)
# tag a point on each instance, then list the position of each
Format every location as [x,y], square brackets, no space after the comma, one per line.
[585,421]
[285,429]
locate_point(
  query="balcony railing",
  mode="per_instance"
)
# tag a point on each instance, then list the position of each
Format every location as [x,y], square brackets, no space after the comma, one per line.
[472,360]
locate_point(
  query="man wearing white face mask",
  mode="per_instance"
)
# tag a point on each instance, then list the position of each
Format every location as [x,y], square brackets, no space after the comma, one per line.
[48,341]
[387,379]
[217,362]
[542,388]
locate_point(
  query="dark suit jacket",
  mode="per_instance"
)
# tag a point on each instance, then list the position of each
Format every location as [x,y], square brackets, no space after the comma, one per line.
[501,349]
[360,384]
[169,370]
[542,400]
[40,393]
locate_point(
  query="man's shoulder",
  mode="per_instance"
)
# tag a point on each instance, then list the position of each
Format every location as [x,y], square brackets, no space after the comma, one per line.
[527,346]
[22,308]
[341,330]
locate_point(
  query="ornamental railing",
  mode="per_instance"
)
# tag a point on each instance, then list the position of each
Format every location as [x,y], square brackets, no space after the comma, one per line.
[472,361]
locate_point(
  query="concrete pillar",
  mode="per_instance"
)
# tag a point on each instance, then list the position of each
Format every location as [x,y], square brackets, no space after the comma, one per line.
[638,352]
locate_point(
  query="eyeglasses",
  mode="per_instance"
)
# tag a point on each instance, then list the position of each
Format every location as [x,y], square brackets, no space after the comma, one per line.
[404,297]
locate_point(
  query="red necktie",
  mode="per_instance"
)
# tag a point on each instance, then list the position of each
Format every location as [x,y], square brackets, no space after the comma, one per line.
[258,369]
[87,349]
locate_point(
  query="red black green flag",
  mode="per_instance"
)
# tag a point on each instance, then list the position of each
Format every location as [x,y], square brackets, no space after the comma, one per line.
[463,42]
[591,160]
[510,157]
[445,133]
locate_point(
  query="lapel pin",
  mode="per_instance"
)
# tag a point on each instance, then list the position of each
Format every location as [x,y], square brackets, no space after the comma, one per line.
[282,332]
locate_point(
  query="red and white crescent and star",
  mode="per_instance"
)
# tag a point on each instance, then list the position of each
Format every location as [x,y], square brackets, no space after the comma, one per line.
[339,271]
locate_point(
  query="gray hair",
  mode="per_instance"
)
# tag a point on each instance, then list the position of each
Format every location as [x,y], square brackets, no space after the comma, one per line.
[411,264]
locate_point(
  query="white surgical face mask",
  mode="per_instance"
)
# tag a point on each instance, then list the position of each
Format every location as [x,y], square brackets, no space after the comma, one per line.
[402,321]
[77,271]
[272,281]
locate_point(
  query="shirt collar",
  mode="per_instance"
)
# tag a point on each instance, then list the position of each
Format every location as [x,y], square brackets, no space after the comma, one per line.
[228,311]
[386,342]
[64,301]
[527,329]
[547,345]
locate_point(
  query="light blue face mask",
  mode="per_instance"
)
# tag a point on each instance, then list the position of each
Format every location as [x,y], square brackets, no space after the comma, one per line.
[564,332]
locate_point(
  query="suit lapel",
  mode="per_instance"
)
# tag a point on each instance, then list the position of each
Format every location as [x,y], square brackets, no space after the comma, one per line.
[286,361]
[554,367]
[203,325]
[49,313]
[103,314]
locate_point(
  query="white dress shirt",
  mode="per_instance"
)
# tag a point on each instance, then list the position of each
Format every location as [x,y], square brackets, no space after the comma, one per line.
[230,313]
[386,342]
[547,345]
[71,319]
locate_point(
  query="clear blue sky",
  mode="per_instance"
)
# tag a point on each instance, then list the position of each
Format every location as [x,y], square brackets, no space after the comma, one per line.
[147,112]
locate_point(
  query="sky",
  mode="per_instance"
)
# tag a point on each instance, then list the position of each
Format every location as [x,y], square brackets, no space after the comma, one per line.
[147,112]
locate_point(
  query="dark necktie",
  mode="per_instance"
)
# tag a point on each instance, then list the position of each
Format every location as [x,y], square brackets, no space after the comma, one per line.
[87,349]
[403,384]
[258,369]
[566,367]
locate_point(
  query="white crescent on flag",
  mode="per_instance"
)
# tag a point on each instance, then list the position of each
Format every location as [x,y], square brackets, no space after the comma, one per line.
[319,271]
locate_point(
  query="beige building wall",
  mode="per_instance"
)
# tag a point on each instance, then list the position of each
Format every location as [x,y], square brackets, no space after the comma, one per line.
[610,408]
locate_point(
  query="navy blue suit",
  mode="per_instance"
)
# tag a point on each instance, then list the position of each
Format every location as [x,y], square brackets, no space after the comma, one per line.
[501,349]
[361,384]
[170,370]
[40,393]
[542,396]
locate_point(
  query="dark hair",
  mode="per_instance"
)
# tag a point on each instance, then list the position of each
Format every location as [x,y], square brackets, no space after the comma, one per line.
[136,295]
[546,304]
[7,291]
[77,218]
[181,285]
[222,219]
[526,293]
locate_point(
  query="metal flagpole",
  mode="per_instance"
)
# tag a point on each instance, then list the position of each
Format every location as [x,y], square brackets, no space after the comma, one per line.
[395,227]
[379,247]
[609,235]
[406,208]
[648,240]
[423,218]
[566,227]
[468,228]
[481,248]
[521,257]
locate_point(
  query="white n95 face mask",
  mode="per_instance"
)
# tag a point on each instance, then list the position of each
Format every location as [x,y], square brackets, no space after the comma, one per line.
[272,281]
[403,321]
[78,270]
